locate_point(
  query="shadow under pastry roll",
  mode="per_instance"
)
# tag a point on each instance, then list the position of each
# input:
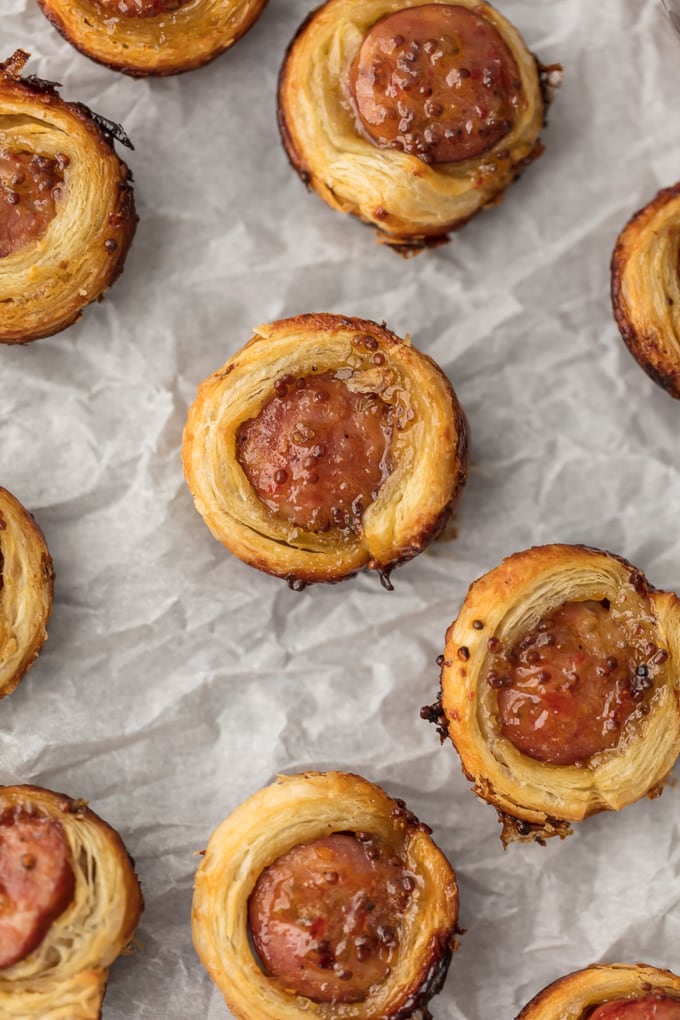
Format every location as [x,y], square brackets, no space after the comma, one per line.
[321,896]
[152,37]
[325,445]
[646,288]
[67,213]
[26,588]
[617,991]
[71,903]
[560,688]
[412,115]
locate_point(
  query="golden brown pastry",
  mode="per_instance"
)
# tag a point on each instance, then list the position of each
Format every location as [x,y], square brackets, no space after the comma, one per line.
[646,288]
[67,213]
[560,688]
[152,37]
[321,896]
[325,445]
[617,991]
[71,903]
[413,115]
[26,586]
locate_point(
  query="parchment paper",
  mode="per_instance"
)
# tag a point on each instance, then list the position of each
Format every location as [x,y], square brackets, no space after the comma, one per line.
[176,681]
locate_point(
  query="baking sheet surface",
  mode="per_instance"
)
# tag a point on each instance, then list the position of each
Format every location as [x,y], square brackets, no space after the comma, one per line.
[176,681]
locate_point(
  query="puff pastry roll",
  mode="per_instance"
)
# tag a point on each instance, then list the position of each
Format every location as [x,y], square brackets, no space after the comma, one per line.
[321,896]
[616,991]
[152,37]
[411,114]
[325,445]
[646,288]
[70,905]
[560,688]
[67,213]
[26,588]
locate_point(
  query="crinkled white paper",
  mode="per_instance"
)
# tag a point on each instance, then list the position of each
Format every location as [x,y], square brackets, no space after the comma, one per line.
[176,681]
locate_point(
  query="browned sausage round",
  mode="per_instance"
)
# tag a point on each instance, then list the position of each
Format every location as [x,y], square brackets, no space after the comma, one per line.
[436,81]
[30,187]
[318,452]
[323,918]
[649,1007]
[36,882]
[566,689]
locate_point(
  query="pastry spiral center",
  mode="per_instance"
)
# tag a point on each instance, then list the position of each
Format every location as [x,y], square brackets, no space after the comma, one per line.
[318,452]
[36,882]
[647,1007]
[437,82]
[566,689]
[323,917]
[140,8]
[30,187]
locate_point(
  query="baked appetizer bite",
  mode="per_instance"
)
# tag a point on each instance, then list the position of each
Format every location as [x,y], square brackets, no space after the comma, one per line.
[321,896]
[560,688]
[618,991]
[325,445]
[646,288]
[152,37]
[412,115]
[67,213]
[26,588]
[70,905]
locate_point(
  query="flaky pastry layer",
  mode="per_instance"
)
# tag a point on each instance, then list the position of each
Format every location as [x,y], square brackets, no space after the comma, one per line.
[429,453]
[646,288]
[298,809]
[65,977]
[26,587]
[167,43]
[413,205]
[537,799]
[45,284]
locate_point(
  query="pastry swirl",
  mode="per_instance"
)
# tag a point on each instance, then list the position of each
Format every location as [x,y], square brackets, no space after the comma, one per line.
[325,445]
[418,178]
[324,812]
[26,588]
[82,908]
[620,991]
[552,723]
[152,37]
[56,260]
[646,288]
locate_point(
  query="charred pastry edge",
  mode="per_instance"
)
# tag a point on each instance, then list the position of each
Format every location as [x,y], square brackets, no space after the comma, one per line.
[97,133]
[137,58]
[34,987]
[492,779]
[15,517]
[293,810]
[643,343]
[576,994]
[334,560]
[406,242]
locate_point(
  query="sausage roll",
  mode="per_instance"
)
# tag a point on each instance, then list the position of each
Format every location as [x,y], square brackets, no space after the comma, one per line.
[26,588]
[70,905]
[616,992]
[411,114]
[325,445]
[67,213]
[646,288]
[560,688]
[152,37]
[321,896]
